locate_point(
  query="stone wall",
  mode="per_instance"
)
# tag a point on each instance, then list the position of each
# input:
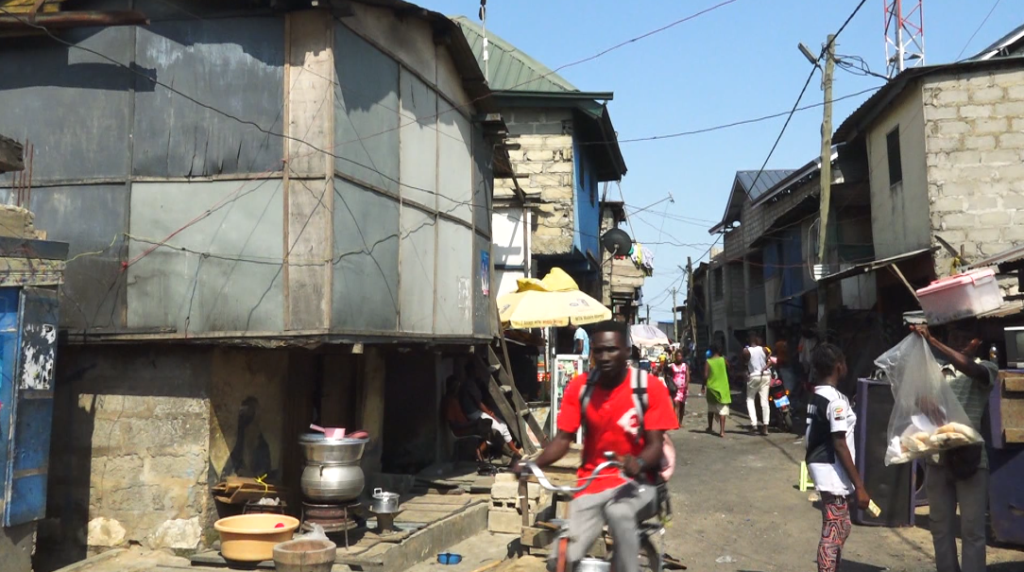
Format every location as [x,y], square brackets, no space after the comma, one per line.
[142,432]
[975,148]
[544,168]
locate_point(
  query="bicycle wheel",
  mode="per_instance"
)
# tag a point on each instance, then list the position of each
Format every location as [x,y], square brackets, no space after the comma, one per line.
[650,556]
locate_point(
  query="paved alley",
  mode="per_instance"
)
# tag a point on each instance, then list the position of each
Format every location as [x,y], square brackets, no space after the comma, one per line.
[735,500]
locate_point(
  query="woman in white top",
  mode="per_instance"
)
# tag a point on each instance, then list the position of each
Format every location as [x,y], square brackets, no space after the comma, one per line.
[758,380]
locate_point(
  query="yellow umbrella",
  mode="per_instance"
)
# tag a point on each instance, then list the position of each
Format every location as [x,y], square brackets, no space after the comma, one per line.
[554,301]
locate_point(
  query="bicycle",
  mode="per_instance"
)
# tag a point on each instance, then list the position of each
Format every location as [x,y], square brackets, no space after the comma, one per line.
[650,556]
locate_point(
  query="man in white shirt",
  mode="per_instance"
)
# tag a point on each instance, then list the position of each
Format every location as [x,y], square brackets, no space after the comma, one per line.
[758,380]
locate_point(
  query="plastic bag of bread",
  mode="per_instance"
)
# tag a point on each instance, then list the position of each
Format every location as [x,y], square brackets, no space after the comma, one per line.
[926,417]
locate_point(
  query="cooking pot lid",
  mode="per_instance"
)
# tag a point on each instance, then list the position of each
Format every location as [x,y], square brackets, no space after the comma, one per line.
[320,438]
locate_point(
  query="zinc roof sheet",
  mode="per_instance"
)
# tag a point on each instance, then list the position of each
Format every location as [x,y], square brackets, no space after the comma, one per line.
[510,68]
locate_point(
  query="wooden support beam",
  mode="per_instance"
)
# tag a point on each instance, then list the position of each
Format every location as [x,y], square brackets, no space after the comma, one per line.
[505,378]
[11,155]
[509,414]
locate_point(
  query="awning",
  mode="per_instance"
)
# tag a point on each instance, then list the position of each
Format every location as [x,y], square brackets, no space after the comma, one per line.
[797,295]
[865,267]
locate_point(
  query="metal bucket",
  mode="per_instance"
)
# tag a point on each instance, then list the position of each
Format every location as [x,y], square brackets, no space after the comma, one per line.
[594,565]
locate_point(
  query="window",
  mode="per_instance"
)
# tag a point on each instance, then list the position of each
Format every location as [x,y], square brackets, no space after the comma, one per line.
[718,279]
[892,148]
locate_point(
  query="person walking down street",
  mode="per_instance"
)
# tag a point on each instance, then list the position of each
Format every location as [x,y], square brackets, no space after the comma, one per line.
[679,373]
[960,476]
[611,423]
[830,455]
[472,401]
[756,356]
[717,389]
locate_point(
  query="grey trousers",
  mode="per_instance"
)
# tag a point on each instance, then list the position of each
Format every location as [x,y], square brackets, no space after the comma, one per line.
[944,493]
[621,508]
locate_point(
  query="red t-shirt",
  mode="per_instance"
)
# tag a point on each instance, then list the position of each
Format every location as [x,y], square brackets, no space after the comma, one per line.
[612,424]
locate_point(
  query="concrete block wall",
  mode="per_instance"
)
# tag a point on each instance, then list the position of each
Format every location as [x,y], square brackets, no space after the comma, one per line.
[505,515]
[141,432]
[974,140]
[544,168]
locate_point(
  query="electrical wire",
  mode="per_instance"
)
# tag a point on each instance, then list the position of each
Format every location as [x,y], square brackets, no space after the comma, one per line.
[828,46]
[732,124]
[978,29]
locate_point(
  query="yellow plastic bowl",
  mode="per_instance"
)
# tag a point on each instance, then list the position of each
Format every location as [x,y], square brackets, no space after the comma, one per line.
[252,537]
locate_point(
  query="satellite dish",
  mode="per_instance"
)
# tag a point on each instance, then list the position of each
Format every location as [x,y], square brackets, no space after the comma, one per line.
[617,242]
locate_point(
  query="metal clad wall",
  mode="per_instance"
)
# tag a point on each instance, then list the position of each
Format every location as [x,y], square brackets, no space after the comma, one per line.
[417,267]
[418,141]
[238,287]
[483,279]
[483,182]
[454,298]
[455,160]
[235,65]
[365,295]
[366,111]
[92,219]
[72,105]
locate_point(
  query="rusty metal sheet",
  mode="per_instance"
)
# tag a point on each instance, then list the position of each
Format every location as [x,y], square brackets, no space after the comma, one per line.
[366,235]
[177,137]
[92,219]
[366,114]
[418,250]
[72,105]
[454,288]
[221,274]
[483,182]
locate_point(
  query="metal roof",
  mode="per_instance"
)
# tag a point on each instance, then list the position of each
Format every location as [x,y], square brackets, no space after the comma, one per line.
[510,68]
[1005,257]
[755,185]
[1008,45]
[749,186]
[874,265]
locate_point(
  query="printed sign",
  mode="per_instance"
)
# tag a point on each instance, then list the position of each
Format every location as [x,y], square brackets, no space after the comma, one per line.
[485,272]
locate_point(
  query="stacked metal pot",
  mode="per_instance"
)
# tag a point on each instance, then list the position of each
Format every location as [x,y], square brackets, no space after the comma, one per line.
[332,473]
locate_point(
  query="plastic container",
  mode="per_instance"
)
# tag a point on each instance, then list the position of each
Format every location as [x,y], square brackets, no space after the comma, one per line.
[962,296]
[252,537]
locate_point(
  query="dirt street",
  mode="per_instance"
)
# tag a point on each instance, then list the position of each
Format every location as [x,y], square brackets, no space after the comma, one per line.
[736,508]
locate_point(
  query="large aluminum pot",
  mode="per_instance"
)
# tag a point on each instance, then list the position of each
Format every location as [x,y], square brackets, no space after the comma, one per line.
[321,450]
[332,483]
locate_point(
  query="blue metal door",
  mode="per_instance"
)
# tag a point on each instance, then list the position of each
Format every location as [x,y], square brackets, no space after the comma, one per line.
[30,415]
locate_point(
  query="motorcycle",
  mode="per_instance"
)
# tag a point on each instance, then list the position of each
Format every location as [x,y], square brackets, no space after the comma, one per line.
[779,396]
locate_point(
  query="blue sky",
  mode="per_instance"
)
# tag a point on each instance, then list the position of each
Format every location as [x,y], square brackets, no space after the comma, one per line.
[737,62]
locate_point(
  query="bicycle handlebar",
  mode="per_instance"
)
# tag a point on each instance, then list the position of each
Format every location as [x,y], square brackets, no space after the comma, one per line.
[542,479]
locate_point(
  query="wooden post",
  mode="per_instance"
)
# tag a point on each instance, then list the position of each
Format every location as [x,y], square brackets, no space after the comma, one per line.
[826,146]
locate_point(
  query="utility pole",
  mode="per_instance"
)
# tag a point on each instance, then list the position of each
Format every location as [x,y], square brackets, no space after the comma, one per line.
[691,315]
[675,317]
[826,145]
[648,314]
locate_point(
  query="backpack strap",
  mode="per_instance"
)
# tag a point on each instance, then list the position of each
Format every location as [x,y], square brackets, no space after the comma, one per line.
[638,379]
[585,392]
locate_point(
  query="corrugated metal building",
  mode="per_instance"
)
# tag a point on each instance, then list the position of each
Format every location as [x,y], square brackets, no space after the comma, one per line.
[275,217]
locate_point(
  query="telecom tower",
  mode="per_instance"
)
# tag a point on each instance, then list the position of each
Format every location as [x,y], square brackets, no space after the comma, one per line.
[904,35]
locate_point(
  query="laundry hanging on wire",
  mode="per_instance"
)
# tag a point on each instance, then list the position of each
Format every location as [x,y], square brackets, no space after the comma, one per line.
[643,258]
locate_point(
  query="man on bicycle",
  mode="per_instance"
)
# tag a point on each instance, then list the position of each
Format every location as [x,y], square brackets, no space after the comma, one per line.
[611,424]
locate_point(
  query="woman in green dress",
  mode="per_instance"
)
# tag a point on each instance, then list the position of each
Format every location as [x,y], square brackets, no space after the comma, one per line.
[718,394]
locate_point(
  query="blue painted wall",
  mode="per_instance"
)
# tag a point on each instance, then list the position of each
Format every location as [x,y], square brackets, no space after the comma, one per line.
[587,208]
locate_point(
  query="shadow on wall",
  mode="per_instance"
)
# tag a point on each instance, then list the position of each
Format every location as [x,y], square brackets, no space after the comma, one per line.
[129,449]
